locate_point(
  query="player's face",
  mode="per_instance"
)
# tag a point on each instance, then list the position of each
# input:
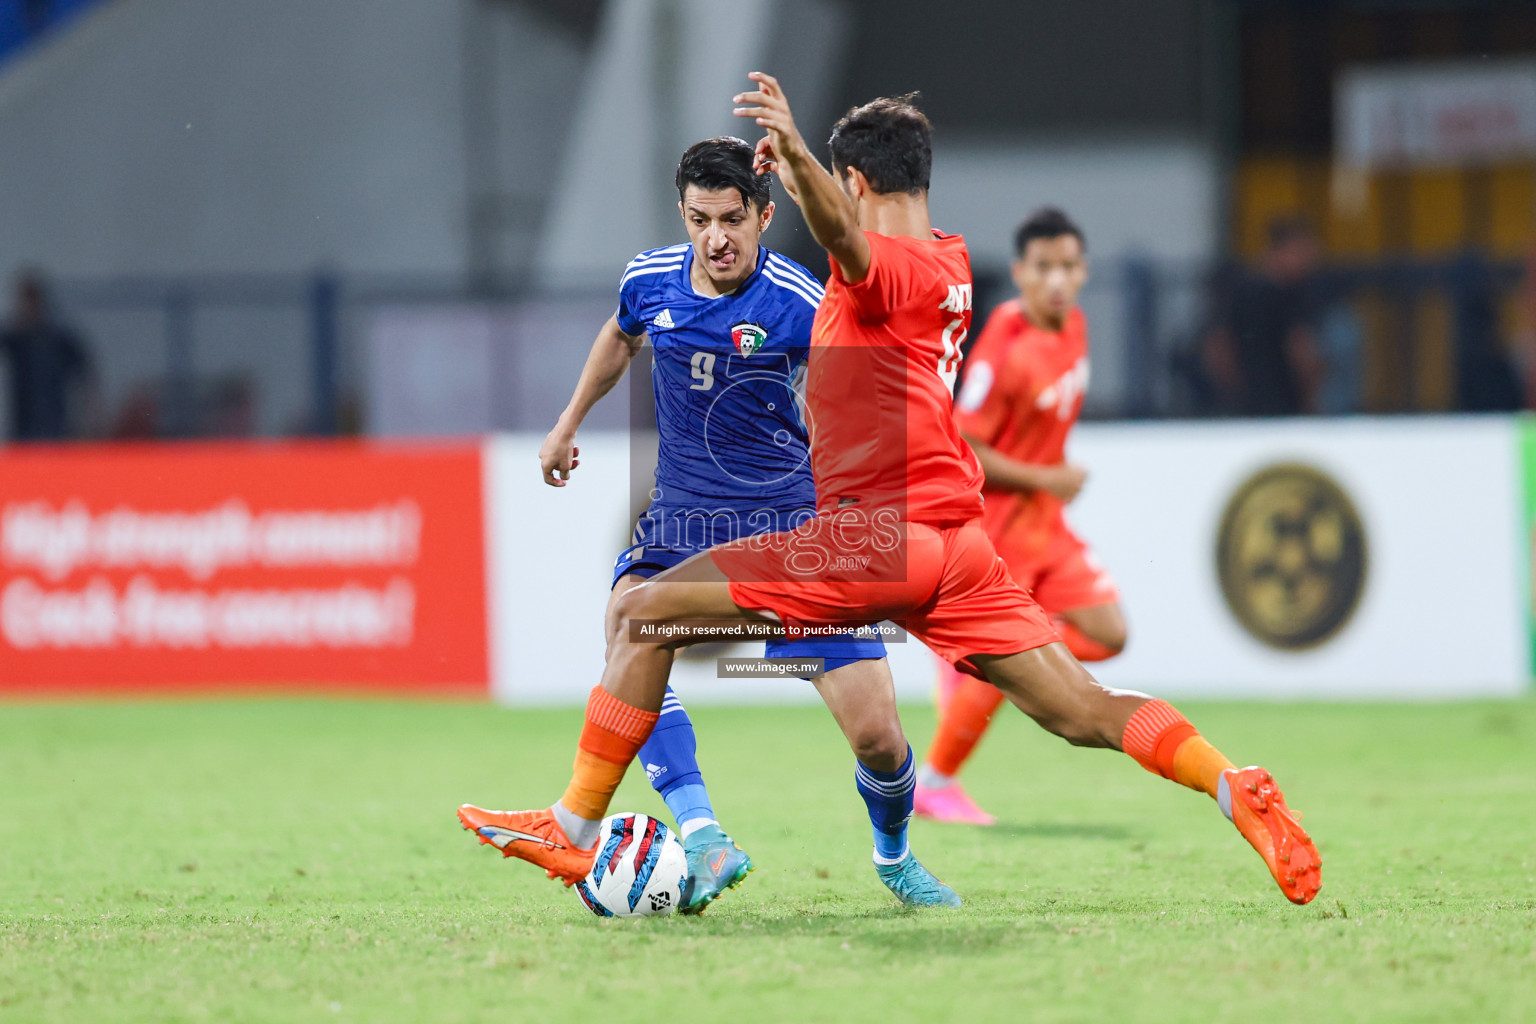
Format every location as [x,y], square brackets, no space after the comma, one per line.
[1049,275]
[725,232]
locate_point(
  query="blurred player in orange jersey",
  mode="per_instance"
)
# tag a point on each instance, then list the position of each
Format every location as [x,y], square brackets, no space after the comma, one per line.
[1022,394]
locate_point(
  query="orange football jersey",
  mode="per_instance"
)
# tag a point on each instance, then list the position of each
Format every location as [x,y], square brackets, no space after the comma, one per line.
[884,356]
[1022,394]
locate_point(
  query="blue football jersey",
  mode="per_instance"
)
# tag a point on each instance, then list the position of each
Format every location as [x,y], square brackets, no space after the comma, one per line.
[728,373]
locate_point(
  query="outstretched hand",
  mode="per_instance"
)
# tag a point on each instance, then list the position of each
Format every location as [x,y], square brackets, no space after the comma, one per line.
[558,456]
[769,108]
[829,212]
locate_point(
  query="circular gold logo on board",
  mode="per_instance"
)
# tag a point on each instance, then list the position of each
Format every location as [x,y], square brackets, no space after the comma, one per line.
[1291,556]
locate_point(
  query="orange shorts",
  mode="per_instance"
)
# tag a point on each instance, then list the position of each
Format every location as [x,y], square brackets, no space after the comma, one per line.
[943,584]
[1062,576]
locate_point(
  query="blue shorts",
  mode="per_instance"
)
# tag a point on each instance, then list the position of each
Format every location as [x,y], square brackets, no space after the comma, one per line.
[646,560]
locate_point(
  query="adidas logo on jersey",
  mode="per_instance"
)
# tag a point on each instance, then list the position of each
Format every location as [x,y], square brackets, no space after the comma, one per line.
[652,771]
[663,320]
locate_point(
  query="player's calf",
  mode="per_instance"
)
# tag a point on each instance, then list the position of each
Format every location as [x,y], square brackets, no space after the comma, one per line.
[1051,687]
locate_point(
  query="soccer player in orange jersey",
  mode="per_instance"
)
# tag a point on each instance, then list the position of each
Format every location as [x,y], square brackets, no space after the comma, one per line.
[897,534]
[1023,391]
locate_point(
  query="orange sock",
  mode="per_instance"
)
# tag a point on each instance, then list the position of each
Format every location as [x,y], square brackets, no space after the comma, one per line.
[1164,743]
[610,739]
[962,723]
[1082,646]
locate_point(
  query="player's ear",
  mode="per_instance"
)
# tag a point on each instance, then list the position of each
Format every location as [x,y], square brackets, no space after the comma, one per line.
[1016,271]
[858,185]
[682,212]
[765,218]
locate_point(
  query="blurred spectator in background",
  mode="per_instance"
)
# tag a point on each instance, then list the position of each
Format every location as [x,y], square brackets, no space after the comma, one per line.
[51,377]
[1341,348]
[1486,380]
[1261,353]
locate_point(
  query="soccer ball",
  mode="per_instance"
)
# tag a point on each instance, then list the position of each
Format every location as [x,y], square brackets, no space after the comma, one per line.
[639,869]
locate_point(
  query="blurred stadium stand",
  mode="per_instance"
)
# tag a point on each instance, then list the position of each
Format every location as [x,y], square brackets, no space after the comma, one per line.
[393,216]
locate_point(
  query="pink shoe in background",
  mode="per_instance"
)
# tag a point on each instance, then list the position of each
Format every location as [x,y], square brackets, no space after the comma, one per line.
[950,804]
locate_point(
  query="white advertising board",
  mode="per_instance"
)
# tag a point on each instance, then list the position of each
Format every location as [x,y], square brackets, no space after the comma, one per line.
[1438,612]
[1441,609]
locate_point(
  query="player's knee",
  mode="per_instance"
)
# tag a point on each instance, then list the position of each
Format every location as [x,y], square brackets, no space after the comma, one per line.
[880,746]
[1113,637]
[631,606]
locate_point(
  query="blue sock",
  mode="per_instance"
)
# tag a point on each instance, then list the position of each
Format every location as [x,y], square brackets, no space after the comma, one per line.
[888,795]
[670,760]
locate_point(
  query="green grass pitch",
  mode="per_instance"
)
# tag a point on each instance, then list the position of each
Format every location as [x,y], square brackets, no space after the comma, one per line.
[299,860]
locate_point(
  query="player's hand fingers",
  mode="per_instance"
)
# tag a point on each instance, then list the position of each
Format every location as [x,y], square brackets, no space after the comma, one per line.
[760,103]
[766,81]
[778,117]
[761,99]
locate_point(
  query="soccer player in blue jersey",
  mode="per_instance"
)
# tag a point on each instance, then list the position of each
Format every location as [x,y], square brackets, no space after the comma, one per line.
[729,322]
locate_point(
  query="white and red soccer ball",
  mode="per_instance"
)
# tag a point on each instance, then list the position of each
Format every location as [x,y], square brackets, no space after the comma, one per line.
[639,869]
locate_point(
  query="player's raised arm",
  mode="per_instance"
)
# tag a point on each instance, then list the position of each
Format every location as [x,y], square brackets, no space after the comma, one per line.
[828,211]
[610,357]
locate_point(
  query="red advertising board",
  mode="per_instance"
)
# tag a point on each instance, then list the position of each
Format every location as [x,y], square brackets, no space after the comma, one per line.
[133,568]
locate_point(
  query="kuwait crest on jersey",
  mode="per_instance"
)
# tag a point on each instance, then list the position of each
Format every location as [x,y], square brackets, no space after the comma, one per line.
[748,337]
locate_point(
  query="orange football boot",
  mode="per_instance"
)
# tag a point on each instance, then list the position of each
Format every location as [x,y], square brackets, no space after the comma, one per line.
[1260,814]
[534,836]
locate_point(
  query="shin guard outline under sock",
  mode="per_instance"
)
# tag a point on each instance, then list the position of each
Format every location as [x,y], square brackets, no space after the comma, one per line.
[611,736]
[1164,743]
[888,798]
[670,760]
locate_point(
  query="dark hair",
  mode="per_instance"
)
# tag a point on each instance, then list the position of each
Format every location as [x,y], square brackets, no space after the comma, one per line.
[721,163]
[1046,222]
[887,140]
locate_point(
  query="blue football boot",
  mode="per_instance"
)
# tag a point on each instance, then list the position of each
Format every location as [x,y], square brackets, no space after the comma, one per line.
[715,864]
[915,885]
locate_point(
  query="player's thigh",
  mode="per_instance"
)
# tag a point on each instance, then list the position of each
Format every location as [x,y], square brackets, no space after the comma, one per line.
[1104,623]
[862,698]
[692,589]
[835,570]
[1051,686]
